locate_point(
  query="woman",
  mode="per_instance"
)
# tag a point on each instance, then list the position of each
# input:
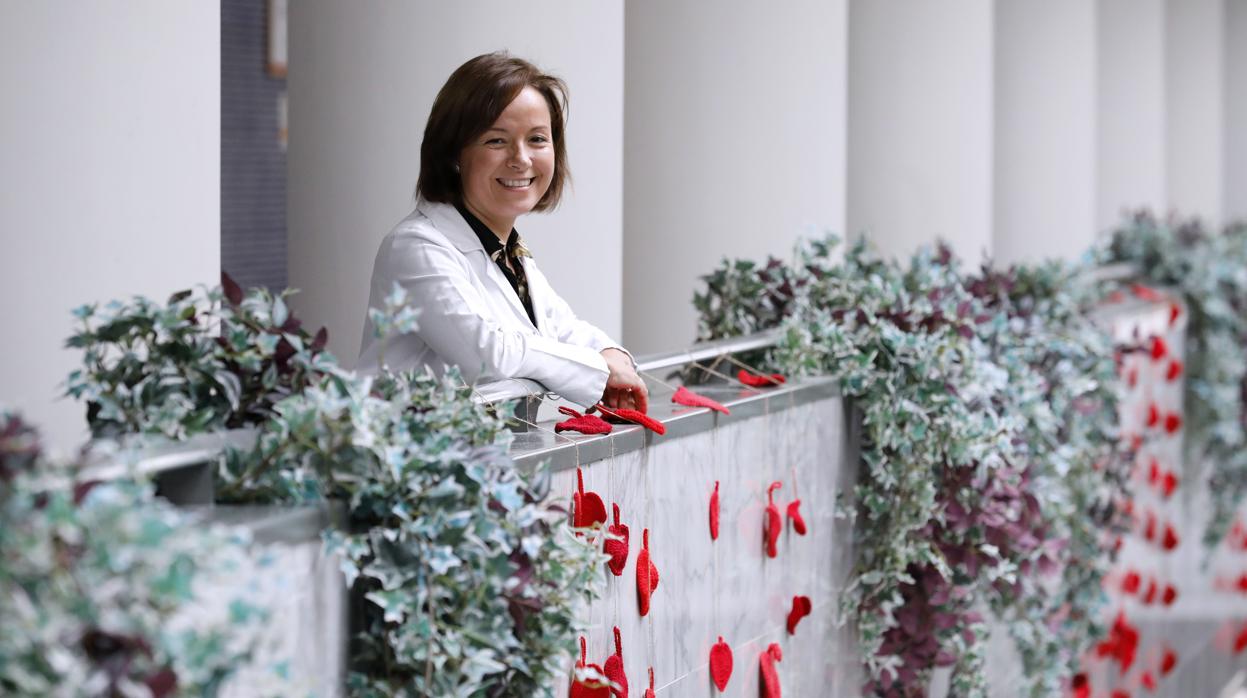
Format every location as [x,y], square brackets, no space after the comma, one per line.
[493,150]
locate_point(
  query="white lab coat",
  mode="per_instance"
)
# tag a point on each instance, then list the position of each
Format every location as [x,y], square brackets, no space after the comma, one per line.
[471,317]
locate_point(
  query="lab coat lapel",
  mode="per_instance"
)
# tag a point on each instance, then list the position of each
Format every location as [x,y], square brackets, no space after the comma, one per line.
[537,289]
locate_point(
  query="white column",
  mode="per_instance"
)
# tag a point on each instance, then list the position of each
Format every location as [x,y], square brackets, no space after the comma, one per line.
[110,187]
[734,129]
[1131,124]
[1045,161]
[1195,107]
[1236,110]
[920,124]
[362,80]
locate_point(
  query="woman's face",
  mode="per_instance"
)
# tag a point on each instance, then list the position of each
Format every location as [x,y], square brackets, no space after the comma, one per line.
[507,169]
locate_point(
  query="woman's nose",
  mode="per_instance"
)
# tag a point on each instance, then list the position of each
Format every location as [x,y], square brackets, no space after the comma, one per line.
[520,157]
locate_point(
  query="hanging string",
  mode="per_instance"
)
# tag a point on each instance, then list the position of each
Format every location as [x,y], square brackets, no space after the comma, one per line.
[751,369]
[724,376]
[575,443]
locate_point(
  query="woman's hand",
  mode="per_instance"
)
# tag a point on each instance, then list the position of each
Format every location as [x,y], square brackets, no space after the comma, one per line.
[624,388]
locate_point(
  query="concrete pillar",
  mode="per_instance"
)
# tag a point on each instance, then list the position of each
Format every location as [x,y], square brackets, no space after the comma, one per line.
[920,124]
[1195,107]
[1045,136]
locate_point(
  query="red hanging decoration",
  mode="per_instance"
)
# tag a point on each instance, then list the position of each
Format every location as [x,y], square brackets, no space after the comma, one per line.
[1153,415]
[770,678]
[1173,422]
[588,511]
[616,548]
[1159,349]
[1175,312]
[583,423]
[1240,641]
[794,514]
[1170,539]
[801,608]
[614,669]
[1149,681]
[1168,483]
[1079,686]
[1153,473]
[588,688]
[1150,596]
[1168,662]
[1149,531]
[1170,595]
[720,664]
[714,512]
[754,380]
[1130,583]
[646,574]
[684,396]
[770,531]
[1175,370]
[649,692]
[1132,378]
[1120,693]
[1121,643]
[625,416]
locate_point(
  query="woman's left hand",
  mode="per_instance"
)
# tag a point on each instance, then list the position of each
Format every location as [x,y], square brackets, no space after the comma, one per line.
[624,388]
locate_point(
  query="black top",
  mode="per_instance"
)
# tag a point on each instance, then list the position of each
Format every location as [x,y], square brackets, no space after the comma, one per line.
[512,252]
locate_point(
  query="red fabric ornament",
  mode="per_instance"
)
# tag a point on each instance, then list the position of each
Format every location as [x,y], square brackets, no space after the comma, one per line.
[1168,662]
[1168,482]
[1159,348]
[1130,583]
[1121,643]
[1149,681]
[1175,312]
[714,512]
[794,514]
[649,692]
[1175,370]
[1079,686]
[1153,473]
[1149,531]
[720,664]
[1150,596]
[684,396]
[583,423]
[1170,595]
[1153,415]
[588,688]
[625,416]
[770,531]
[1170,540]
[614,669]
[754,380]
[1240,641]
[1242,582]
[587,508]
[1120,693]
[1173,422]
[617,549]
[801,608]
[770,678]
[646,574]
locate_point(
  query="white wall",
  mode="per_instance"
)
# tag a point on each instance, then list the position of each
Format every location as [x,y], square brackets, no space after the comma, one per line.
[1045,130]
[1131,126]
[920,124]
[110,183]
[1195,107]
[362,79]
[735,136]
[1236,110]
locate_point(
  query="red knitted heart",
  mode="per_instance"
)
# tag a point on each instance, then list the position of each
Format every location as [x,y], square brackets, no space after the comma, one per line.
[1173,422]
[720,664]
[617,549]
[773,524]
[794,513]
[585,686]
[684,396]
[1150,595]
[1149,531]
[714,512]
[1153,415]
[1175,370]
[801,608]
[1079,687]
[1170,595]
[1130,583]
[1175,312]
[1148,681]
[1170,539]
[649,692]
[1159,348]
[754,380]
[646,574]
[767,673]
[583,423]
[1168,482]
[1168,662]
[1153,473]
[614,669]
[588,510]
[625,416]
[1240,641]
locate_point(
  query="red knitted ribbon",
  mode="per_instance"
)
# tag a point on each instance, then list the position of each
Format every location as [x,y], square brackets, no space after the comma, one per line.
[617,549]
[720,664]
[801,608]
[794,514]
[583,423]
[588,688]
[770,678]
[614,669]
[649,692]
[754,380]
[587,507]
[646,575]
[714,512]
[684,396]
[625,416]
[770,531]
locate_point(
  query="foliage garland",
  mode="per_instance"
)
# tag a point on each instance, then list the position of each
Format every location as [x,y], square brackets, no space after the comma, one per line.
[1210,273]
[991,469]
[470,584]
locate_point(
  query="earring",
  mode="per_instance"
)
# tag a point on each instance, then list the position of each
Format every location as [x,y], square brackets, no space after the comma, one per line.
[456,167]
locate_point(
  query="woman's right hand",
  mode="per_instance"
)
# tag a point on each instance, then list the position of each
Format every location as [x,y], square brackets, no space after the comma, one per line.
[624,388]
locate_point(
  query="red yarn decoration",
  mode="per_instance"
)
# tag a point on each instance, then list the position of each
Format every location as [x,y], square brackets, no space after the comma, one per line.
[1168,662]
[770,531]
[587,508]
[770,678]
[1170,539]
[649,692]
[1175,370]
[646,575]
[1121,643]
[1153,415]
[720,664]
[1149,681]
[1175,312]
[589,688]
[1168,483]
[583,423]
[1173,422]
[1150,596]
[1080,687]
[1170,595]
[1159,348]
[794,514]
[684,396]
[625,416]
[1240,641]
[614,669]
[1130,583]
[714,512]
[801,608]
[617,549]
[754,380]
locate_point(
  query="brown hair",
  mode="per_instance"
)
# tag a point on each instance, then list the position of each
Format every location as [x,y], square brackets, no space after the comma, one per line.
[472,99]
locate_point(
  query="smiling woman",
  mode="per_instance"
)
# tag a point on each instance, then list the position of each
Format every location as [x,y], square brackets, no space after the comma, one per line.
[493,150]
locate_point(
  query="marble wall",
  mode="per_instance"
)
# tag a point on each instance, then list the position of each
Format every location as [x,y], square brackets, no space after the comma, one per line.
[729,587]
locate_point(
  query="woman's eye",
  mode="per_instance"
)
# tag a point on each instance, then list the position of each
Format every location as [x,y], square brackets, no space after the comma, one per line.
[540,139]
[494,141]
